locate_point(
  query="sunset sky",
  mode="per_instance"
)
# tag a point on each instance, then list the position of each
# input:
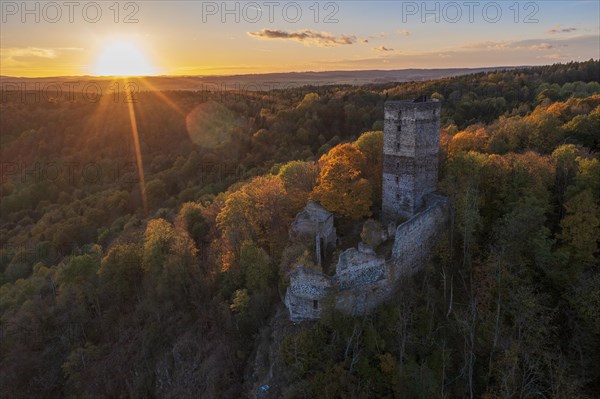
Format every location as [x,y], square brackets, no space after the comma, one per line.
[190,38]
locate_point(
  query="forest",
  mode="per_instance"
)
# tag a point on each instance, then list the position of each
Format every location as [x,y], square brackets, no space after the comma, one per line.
[160,282]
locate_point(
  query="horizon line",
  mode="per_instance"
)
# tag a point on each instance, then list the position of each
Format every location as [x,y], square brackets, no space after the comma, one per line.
[294,72]
[273,73]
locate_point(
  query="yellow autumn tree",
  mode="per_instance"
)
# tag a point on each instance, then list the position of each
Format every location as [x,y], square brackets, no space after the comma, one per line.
[468,140]
[341,186]
[299,178]
[259,211]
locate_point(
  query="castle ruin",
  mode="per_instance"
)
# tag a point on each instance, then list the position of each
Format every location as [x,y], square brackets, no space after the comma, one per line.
[411,142]
[363,278]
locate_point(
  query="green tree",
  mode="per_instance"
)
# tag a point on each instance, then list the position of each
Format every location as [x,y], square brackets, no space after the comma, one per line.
[193,220]
[257,266]
[581,227]
[587,178]
[371,145]
[156,192]
[565,157]
[168,261]
[462,185]
[121,273]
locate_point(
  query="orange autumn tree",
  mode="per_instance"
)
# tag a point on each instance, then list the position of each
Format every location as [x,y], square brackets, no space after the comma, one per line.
[341,186]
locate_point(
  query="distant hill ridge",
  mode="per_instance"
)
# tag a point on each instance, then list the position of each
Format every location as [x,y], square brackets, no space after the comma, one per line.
[254,82]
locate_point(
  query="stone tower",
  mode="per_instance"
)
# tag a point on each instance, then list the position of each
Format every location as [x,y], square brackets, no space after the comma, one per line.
[411,140]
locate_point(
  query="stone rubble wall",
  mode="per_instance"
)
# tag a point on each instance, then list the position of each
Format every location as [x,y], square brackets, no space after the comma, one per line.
[416,237]
[363,299]
[307,288]
[364,280]
[358,267]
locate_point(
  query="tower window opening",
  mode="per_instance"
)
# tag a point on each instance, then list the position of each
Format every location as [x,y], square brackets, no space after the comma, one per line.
[399,127]
[398,196]
[397,179]
[398,145]
[315,304]
[398,165]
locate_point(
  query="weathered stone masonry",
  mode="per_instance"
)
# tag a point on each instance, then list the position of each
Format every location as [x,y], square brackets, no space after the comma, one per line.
[315,223]
[411,143]
[364,279]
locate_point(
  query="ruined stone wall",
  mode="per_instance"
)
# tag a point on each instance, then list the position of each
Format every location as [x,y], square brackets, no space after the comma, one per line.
[363,299]
[308,228]
[305,294]
[313,220]
[413,243]
[363,280]
[416,237]
[358,267]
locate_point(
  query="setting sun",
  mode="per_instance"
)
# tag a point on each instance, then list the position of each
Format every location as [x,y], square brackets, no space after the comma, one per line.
[122,58]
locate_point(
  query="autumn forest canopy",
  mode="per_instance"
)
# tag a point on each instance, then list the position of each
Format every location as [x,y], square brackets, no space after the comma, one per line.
[116,283]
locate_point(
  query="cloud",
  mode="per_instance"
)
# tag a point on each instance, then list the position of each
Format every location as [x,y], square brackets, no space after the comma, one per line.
[403,32]
[69,49]
[383,49]
[21,57]
[15,52]
[306,36]
[34,52]
[557,29]
[532,44]
[487,45]
[380,35]
[541,46]
[500,53]
[554,56]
